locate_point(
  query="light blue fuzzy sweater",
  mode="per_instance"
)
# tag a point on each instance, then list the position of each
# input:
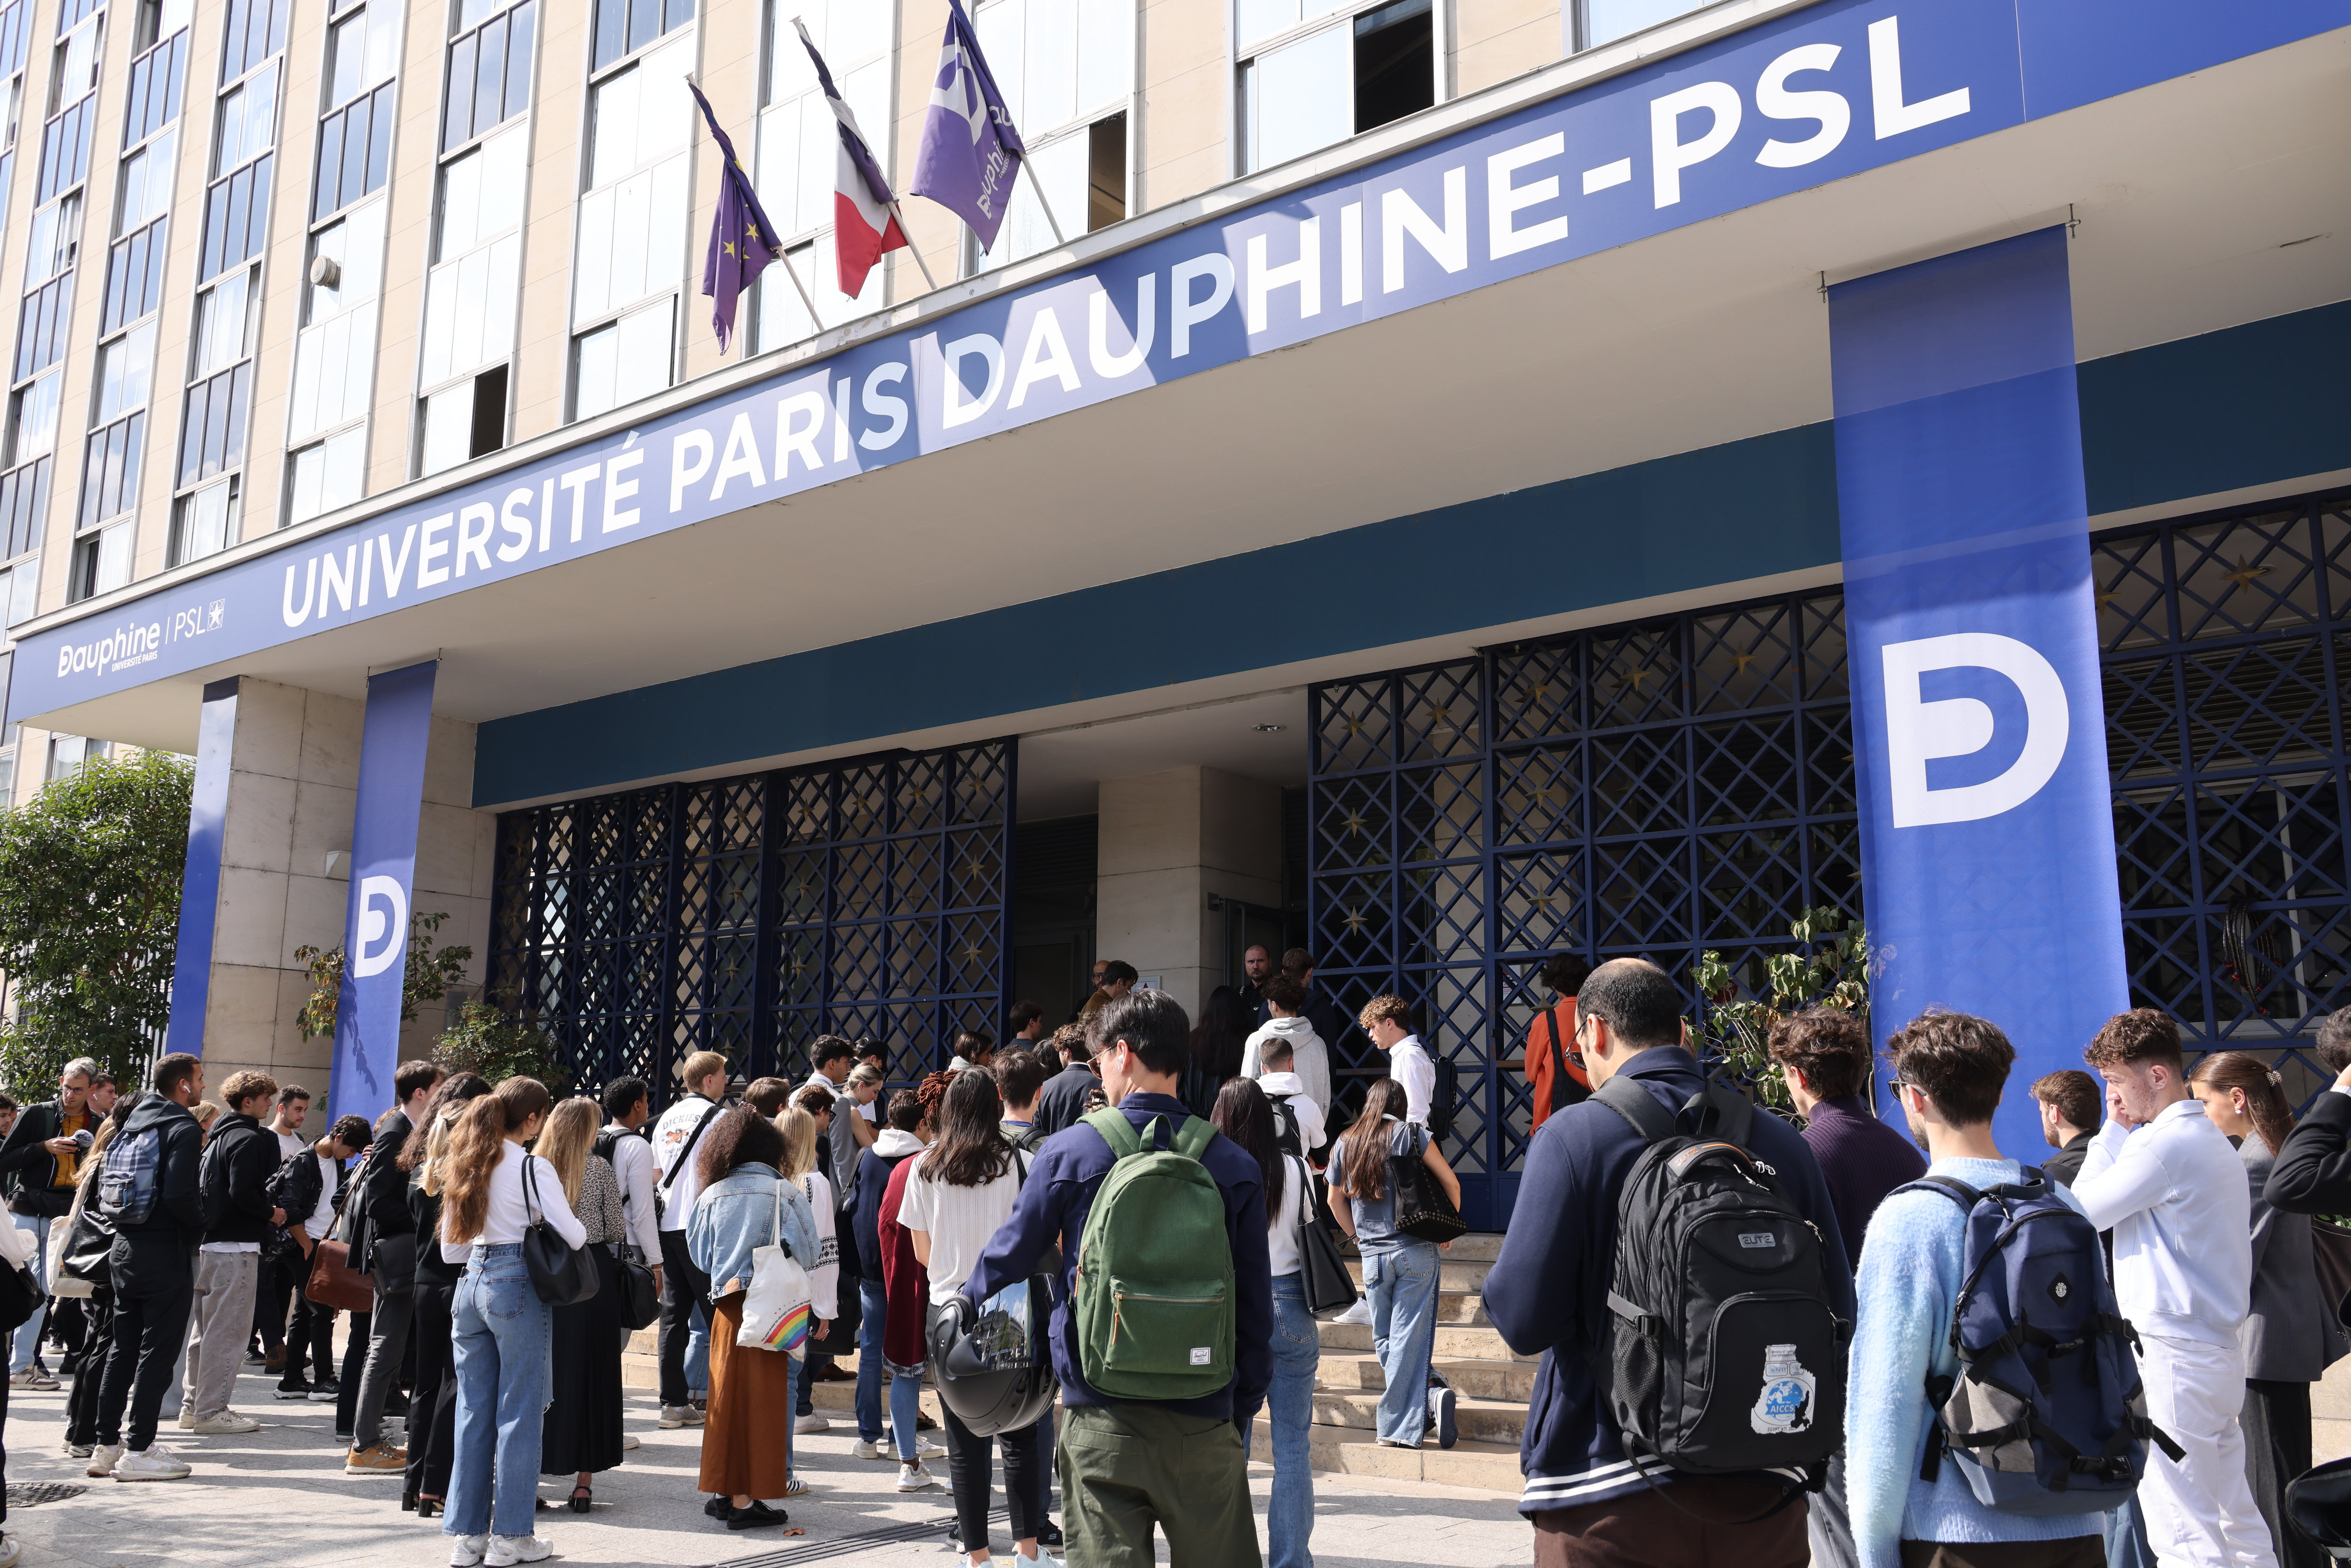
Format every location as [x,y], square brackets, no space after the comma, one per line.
[1911,1266]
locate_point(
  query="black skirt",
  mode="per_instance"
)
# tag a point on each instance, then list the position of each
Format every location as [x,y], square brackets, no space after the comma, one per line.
[583,1429]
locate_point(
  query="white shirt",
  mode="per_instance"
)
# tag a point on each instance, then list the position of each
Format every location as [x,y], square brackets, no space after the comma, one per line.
[1282,1230]
[670,1135]
[824,1279]
[510,1214]
[322,1217]
[1409,1065]
[1307,1109]
[2174,1194]
[818,1081]
[1310,1055]
[961,1221]
[632,1166]
[288,1143]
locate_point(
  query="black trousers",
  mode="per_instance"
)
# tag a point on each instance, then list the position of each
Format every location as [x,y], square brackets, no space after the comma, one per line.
[2276,1422]
[970,1466]
[433,1403]
[683,1285]
[272,1294]
[355,1355]
[310,1344]
[150,1325]
[81,1400]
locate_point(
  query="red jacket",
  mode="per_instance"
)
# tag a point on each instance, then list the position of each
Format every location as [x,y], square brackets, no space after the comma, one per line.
[905,1281]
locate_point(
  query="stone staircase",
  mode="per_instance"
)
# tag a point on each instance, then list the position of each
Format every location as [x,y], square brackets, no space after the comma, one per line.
[1491,1388]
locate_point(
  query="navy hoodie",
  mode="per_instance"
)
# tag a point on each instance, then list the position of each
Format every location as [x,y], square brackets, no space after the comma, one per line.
[1548,1291]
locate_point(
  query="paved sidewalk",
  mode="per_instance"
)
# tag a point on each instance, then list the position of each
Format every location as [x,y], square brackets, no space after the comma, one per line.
[278,1497]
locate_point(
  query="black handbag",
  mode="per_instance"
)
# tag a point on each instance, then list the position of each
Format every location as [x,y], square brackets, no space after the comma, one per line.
[1322,1270]
[88,1250]
[639,1300]
[562,1274]
[1422,1209]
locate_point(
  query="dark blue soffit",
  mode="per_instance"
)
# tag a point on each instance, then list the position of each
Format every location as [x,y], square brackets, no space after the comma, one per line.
[2251,405]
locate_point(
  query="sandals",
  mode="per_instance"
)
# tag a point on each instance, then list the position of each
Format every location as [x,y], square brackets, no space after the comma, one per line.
[580,1497]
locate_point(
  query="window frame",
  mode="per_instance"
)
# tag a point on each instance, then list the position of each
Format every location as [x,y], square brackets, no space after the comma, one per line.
[1238,140]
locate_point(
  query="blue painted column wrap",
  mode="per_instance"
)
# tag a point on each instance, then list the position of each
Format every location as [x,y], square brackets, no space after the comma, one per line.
[192,964]
[1988,850]
[393,741]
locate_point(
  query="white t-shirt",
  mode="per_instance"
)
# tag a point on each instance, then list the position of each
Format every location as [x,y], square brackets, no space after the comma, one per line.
[1281,1232]
[510,1210]
[1409,1065]
[961,1221]
[632,1166]
[288,1143]
[671,1134]
[322,1217]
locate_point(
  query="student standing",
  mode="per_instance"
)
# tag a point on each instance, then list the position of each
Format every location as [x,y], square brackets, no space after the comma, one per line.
[234,1176]
[1548,1293]
[1020,1076]
[81,1400]
[433,1401]
[1297,1116]
[898,1141]
[958,1192]
[1310,1053]
[1129,1465]
[2289,1337]
[1401,1272]
[39,1160]
[1388,1021]
[1949,1069]
[2163,1178]
[1063,1099]
[677,1149]
[389,1244]
[491,1194]
[282,1275]
[582,1434]
[2069,1101]
[1244,1115]
[746,1203]
[801,1143]
[1555,1075]
[310,1338]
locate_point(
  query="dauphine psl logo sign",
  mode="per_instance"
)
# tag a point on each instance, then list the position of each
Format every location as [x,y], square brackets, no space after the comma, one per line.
[382,925]
[1920,731]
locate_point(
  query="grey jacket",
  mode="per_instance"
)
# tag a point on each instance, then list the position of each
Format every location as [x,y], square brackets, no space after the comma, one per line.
[2289,1335]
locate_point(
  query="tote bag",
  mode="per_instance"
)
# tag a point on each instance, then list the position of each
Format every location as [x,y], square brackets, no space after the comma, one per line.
[1422,1207]
[1321,1270]
[562,1274]
[776,1307]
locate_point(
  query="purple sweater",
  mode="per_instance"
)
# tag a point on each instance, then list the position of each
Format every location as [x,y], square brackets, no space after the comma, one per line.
[1862,1159]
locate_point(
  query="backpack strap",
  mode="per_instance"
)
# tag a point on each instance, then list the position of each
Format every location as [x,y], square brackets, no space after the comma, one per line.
[1625,1096]
[1958,1192]
[1116,1131]
[1192,1140]
[1722,1112]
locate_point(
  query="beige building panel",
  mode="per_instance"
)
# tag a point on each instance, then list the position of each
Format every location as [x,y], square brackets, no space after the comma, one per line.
[931,230]
[1495,40]
[543,323]
[1186,81]
[282,269]
[408,245]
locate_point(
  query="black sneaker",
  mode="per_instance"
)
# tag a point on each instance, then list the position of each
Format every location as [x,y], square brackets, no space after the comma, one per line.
[755,1516]
[1048,1534]
[292,1391]
[717,1507]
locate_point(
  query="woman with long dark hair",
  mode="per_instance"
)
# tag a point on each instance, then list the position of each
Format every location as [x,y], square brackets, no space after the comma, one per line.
[2287,1336]
[433,1403]
[960,1190]
[746,1440]
[490,1195]
[1400,1271]
[1245,1116]
[583,1429]
[1225,1024]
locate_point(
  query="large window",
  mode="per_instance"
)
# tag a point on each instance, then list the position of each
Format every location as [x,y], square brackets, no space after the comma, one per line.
[1313,73]
[1067,71]
[799,155]
[632,229]
[1598,22]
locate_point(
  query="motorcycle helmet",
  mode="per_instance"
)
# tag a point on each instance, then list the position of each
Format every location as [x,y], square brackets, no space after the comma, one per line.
[995,1368]
[2318,1501]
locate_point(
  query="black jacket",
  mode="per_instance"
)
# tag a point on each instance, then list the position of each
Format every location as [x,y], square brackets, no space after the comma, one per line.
[235,1174]
[2064,1165]
[1063,1099]
[382,1186]
[2313,1173]
[873,1185]
[178,1216]
[30,1170]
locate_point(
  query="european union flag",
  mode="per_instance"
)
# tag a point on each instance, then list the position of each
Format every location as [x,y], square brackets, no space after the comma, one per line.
[742,240]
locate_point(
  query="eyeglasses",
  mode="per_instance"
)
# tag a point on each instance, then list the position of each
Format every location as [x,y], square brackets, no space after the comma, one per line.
[1897,1085]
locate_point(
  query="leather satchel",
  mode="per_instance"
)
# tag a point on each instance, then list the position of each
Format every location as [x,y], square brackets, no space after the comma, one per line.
[1422,1207]
[333,1281]
[562,1274]
[640,1300]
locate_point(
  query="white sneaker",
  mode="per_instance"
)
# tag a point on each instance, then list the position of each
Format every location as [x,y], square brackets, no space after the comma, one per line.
[102,1459]
[156,1464]
[811,1422]
[927,1450]
[865,1450]
[187,1420]
[913,1478]
[675,1416]
[225,1424]
[465,1551]
[1360,1313]
[506,1550]
[627,1441]
[12,1551]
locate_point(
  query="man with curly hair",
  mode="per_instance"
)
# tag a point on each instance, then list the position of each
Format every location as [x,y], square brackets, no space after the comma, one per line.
[2167,1182]
[1824,1056]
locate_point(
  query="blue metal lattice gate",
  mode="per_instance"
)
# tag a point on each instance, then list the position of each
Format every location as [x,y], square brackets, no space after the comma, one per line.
[1685,783]
[751,915]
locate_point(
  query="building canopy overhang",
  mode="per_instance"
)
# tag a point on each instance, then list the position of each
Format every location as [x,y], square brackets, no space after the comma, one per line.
[1610,262]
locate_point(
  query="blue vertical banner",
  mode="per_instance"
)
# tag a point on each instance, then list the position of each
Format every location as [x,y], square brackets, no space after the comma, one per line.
[393,741]
[200,876]
[1987,830]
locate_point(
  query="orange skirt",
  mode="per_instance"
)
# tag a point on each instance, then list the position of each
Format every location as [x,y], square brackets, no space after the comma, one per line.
[746,1437]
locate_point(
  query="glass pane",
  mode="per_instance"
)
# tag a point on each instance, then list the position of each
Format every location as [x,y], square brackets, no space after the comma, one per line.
[113,558]
[503,158]
[777,166]
[1255,19]
[220,324]
[460,203]
[665,109]
[1105,54]
[593,386]
[204,523]
[125,372]
[1000,27]
[1607,20]
[613,152]
[1299,99]
[37,418]
[1062,168]
[644,353]
[448,427]
[24,588]
[349,50]
[147,182]
[855,31]
[1051,71]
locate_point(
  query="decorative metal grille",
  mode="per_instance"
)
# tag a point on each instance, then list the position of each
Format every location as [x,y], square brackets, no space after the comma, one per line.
[750,916]
[1673,785]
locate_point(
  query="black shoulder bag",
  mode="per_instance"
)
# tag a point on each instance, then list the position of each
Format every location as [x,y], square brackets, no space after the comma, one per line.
[1564,1090]
[1321,1270]
[562,1274]
[1422,1207]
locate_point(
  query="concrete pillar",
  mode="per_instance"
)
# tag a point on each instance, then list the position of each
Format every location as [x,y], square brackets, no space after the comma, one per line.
[284,879]
[1168,841]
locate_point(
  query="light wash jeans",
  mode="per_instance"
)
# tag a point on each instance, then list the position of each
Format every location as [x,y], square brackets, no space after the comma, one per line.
[869,1360]
[1290,1407]
[27,1339]
[697,1353]
[1402,1282]
[501,1343]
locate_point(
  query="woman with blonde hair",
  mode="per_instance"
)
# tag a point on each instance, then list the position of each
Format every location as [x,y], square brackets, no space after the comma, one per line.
[582,1432]
[433,1402]
[801,1165]
[2288,1336]
[491,1193]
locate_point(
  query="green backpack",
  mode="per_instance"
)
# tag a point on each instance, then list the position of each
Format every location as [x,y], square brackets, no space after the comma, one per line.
[1154,1300]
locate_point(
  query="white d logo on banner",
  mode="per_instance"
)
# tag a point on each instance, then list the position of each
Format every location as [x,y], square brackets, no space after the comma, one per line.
[1918,731]
[383,926]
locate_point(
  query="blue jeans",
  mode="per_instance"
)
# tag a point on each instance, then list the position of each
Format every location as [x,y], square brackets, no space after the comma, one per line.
[1402,1283]
[1290,1407]
[869,1360]
[698,1353]
[500,1345]
[28,1334]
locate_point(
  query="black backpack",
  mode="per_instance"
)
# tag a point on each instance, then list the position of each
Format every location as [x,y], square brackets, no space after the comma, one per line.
[1286,1135]
[1721,1352]
[296,1187]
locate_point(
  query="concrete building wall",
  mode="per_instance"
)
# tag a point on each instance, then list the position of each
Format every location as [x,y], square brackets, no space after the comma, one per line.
[1168,841]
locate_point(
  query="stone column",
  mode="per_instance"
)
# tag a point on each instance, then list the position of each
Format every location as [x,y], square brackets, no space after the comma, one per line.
[1168,841]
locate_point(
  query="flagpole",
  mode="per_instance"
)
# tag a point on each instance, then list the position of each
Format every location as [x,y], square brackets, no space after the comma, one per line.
[816,323]
[912,247]
[1029,167]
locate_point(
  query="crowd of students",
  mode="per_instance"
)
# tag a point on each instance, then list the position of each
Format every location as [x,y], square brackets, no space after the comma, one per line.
[501,1242]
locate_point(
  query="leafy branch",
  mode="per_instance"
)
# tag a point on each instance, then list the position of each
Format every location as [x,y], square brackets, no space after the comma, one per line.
[430,971]
[1829,968]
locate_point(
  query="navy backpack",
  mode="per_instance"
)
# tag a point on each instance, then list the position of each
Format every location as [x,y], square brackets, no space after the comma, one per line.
[2046,1415]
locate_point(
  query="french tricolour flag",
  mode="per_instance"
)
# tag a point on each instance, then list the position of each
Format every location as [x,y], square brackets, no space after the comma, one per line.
[863,224]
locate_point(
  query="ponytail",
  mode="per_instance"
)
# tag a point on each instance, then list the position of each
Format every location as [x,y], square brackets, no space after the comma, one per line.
[475,1152]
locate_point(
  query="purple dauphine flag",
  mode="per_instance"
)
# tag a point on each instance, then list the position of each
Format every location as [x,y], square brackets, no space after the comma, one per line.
[971,150]
[742,240]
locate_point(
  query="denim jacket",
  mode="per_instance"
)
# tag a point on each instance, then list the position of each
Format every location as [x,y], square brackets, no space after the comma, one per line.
[736,1215]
